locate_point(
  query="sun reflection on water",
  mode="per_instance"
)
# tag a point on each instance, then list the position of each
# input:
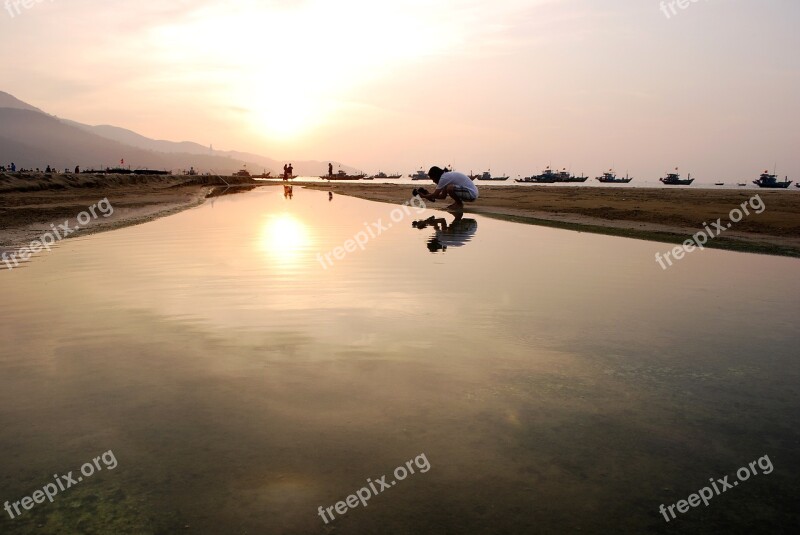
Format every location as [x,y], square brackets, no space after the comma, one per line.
[284,238]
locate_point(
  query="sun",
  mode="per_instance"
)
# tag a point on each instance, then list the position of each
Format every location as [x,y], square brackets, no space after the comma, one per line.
[284,70]
[283,113]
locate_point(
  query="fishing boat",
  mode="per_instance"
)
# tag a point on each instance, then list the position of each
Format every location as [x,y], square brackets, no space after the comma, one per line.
[674,179]
[392,177]
[767,180]
[611,178]
[744,184]
[342,175]
[547,177]
[719,183]
[242,173]
[149,172]
[419,175]
[381,176]
[486,175]
[265,174]
[566,176]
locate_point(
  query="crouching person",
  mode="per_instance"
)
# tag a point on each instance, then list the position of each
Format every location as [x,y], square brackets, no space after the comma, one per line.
[453,184]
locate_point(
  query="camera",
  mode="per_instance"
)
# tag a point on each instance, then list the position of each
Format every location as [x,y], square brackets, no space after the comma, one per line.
[420,191]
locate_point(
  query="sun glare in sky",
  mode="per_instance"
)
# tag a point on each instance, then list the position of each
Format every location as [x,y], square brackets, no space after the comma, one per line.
[288,69]
[508,85]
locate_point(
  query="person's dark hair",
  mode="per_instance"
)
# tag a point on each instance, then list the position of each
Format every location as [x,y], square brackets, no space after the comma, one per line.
[436,173]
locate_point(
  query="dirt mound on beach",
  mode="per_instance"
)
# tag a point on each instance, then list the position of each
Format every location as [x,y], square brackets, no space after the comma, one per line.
[29,182]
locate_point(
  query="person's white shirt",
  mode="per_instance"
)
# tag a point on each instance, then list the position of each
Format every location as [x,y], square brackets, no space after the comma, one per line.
[459,179]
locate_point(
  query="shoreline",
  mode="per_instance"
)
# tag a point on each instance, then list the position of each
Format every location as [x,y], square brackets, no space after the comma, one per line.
[29,205]
[653,214]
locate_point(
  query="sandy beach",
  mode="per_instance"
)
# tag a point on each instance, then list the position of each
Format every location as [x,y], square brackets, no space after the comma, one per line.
[668,215]
[28,205]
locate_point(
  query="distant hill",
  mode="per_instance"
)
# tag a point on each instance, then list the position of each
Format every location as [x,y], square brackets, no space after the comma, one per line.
[129,137]
[10,101]
[31,138]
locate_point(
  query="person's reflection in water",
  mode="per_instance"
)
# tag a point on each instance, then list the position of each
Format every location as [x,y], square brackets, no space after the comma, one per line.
[456,234]
[288,192]
[330,196]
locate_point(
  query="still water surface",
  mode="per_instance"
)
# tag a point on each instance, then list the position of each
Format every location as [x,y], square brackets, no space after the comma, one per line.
[555,381]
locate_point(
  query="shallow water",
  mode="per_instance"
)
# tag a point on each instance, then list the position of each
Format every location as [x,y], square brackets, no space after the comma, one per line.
[555,381]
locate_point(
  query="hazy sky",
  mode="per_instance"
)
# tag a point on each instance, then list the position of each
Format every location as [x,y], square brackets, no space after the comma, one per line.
[509,85]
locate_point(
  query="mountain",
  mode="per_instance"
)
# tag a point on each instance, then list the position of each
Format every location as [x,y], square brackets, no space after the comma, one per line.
[129,137]
[10,101]
[31,138]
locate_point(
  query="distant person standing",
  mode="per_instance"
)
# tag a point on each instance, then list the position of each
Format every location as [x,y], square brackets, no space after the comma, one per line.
[330,169]
[13,167]
[77,169]
[453,184]
[285,172]
[291,171]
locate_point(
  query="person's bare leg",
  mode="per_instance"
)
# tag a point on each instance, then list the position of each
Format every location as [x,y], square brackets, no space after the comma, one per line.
[457,205]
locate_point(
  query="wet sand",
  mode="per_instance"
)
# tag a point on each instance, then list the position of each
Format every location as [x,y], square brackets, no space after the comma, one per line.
[668,215]
[30,204]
